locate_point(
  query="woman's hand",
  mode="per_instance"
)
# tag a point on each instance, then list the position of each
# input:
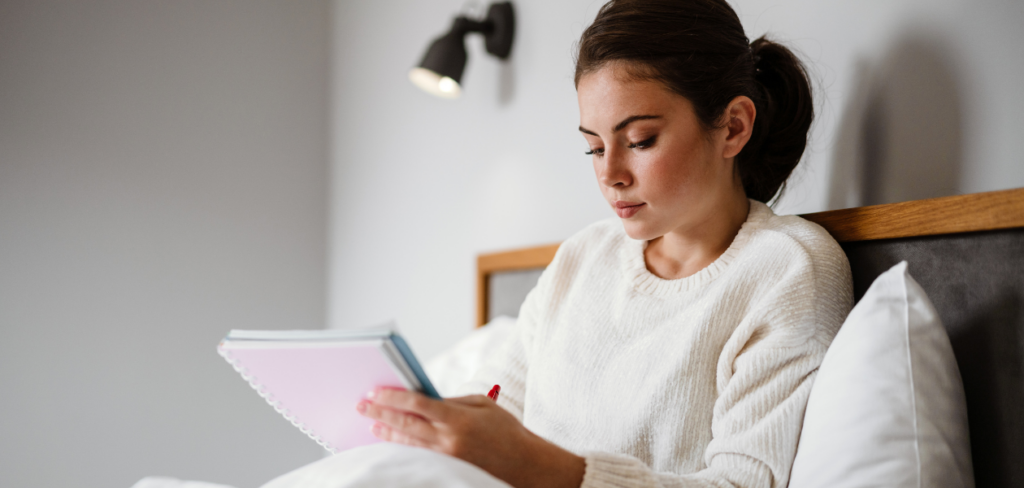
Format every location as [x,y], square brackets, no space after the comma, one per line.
[474,429]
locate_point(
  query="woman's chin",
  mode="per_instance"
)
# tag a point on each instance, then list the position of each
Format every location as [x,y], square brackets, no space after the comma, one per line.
[639,230]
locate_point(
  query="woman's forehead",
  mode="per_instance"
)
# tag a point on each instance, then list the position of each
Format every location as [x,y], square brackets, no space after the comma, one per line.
[610,94]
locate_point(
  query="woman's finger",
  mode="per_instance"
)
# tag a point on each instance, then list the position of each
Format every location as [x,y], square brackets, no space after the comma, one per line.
[411,402]
[385,433]
[402,422]
[471,400]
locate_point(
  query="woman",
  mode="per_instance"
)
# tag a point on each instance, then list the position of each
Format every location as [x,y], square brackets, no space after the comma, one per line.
[675,345]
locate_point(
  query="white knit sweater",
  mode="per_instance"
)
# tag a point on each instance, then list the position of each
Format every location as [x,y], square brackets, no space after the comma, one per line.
[700,381]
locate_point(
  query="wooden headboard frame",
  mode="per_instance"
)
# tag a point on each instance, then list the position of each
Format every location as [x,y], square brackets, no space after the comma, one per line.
[936,216]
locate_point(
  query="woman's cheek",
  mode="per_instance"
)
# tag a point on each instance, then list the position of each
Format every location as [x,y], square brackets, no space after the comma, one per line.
[661,178]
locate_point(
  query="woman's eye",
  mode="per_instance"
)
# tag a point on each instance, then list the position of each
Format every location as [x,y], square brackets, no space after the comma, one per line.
[599,151]
[644,144]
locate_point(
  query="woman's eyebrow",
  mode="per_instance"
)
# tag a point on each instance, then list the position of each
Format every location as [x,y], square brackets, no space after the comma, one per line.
[623,124]
[633,118]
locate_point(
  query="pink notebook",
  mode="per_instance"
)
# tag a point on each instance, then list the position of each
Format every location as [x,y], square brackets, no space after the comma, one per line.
[315,378]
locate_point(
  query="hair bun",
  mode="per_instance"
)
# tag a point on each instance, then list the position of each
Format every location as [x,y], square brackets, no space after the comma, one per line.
[785,113]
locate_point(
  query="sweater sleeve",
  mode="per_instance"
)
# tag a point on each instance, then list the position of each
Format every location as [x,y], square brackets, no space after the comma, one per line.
[509,364]
[764,377]
[507,367]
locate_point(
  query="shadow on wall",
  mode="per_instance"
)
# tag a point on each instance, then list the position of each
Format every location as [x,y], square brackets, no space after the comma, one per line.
[900,136]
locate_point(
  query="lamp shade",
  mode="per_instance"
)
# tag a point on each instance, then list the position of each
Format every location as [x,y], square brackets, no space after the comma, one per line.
[440,71]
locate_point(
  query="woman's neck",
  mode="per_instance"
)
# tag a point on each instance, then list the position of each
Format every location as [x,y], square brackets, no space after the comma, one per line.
[684,252]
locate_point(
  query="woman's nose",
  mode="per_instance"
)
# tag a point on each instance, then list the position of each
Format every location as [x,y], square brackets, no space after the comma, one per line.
[613,170]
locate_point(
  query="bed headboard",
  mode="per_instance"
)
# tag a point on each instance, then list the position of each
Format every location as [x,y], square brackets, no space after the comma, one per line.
[966,251]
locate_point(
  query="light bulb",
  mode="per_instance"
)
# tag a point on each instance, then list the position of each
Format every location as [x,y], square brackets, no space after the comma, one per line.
[435,84]
[446,84]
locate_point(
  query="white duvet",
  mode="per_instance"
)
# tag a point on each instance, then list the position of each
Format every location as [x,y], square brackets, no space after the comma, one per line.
[383,465]
[388,465]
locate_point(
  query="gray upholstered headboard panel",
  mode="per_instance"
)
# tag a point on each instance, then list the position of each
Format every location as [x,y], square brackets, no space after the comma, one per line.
[507,290]
[976,282]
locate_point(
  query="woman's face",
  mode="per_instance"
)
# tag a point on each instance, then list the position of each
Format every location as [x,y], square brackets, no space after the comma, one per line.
[655,165]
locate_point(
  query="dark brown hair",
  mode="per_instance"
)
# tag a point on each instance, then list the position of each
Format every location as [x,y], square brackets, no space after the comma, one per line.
[697,48]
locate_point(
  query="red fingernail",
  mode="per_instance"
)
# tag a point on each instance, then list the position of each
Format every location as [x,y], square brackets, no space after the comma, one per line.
[376,429]
[361,407]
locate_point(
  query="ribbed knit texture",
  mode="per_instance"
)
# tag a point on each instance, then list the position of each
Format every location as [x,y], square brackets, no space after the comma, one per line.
[700,381]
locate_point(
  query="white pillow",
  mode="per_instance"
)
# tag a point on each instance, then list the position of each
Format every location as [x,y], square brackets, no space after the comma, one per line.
[455,366]
[887,407]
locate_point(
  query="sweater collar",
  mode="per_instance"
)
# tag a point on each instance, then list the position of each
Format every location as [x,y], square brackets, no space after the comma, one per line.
[635,268]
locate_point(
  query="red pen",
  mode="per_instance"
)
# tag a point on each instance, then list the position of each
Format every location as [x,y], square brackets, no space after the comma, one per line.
[493,394]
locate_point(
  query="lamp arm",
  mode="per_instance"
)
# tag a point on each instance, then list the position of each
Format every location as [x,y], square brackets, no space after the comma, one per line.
[464,25]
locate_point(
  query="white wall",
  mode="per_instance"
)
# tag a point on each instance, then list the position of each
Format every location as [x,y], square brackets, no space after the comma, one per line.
[163,170]
[918,98]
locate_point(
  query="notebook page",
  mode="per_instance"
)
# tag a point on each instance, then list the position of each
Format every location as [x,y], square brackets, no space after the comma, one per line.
[315,384]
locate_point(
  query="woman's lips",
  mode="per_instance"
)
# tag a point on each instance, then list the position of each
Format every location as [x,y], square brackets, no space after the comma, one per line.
[626,210]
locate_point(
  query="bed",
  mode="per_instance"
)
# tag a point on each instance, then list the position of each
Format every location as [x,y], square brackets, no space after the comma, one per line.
[966,251]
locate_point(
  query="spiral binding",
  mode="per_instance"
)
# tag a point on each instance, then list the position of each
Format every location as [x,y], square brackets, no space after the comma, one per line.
[263,393]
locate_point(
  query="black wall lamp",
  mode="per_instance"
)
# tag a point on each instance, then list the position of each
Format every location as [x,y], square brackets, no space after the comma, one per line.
[440,71]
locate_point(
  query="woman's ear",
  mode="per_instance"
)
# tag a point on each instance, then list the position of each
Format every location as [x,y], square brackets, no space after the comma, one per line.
[739,125]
